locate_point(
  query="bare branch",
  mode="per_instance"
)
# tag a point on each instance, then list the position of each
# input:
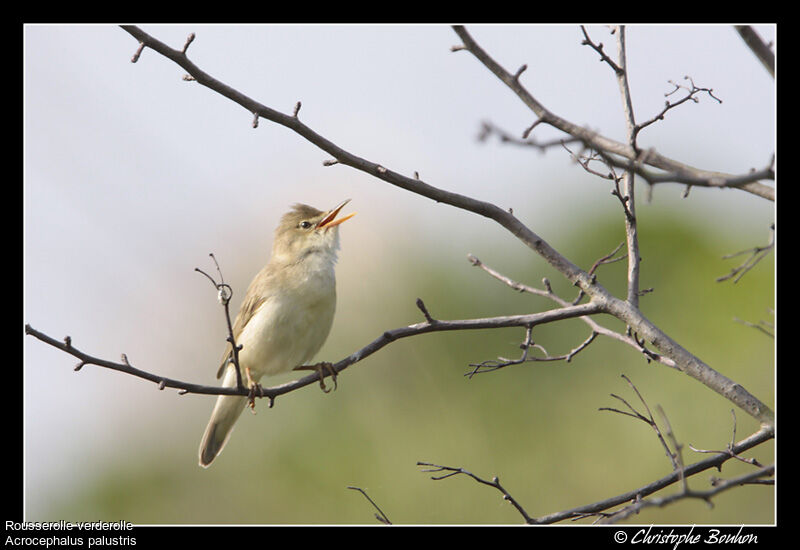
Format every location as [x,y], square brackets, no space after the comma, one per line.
[127,368]
[527,344]
[763,326]
[608,258]
[598,142]
[599,49]
[628,178]
[593,324]
[414,185]
[424,310]
[225,292]
[764,434]
[488,129]
[692,179]
[635,496]
[383,340]
[690,96]
[649,420]
[380,516]
[757,254]
[137,53]
[584,161]
[706,496]
[189,40]
[449,471]
[729,447]
[761,49]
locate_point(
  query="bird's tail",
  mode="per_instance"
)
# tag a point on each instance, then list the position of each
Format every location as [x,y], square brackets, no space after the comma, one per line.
[224,416]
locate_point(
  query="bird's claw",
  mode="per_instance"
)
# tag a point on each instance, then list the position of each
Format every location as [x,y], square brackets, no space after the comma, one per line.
[255,391]
[320,367]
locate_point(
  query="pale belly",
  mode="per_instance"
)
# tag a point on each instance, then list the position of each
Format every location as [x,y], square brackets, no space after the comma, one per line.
[284,334]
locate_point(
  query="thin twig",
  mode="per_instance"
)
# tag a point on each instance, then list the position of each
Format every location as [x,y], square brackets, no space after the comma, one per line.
[488,129]
[691,93]
[599,49]
[729,448]
[757,254]
[763,326]
[649,420]
[225,292]
[501,362]
[449,471]
[380,516]
[593,324]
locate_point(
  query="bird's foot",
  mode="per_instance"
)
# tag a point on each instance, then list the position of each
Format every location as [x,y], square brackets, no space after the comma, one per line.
[255,391]
[320,368]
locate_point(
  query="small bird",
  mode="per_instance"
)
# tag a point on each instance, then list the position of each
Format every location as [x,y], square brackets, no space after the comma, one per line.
[285,316]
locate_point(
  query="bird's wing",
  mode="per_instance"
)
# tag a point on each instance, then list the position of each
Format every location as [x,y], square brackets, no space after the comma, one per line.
[256,296]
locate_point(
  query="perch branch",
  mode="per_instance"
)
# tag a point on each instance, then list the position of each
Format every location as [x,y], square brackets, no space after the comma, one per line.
[383,340]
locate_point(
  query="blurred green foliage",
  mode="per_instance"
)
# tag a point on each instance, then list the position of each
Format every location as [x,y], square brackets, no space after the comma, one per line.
[536,426]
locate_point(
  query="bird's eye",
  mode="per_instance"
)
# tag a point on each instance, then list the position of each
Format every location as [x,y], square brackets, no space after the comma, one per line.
[304,224]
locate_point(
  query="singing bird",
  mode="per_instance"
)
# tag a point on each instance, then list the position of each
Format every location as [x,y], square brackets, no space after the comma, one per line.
[285,316]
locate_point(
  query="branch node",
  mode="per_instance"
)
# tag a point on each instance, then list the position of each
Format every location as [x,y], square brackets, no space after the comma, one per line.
[189,40]
[530,128]
[297,109]
[224,294]
[138,52]
[599,49]
[424,310]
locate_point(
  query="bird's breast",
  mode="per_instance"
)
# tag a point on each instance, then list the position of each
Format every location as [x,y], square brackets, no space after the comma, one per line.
[291,325]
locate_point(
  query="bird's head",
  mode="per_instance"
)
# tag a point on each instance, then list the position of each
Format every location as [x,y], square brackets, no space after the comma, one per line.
[304,231]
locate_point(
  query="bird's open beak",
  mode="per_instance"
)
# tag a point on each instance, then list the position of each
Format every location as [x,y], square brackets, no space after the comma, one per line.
[329,221]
